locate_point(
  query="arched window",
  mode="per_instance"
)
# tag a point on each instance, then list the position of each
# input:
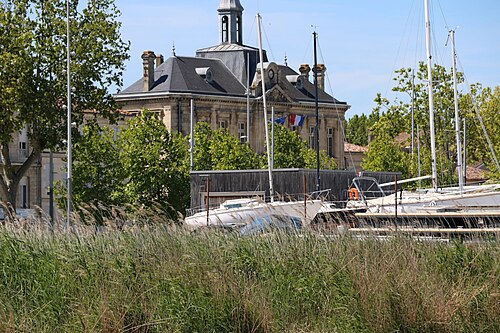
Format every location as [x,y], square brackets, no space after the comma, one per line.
[239,32]
[225,29]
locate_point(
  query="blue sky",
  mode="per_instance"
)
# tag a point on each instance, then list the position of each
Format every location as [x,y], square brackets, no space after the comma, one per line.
[361,42]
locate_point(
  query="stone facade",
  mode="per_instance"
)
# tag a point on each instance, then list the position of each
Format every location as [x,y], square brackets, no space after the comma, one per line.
[225,84]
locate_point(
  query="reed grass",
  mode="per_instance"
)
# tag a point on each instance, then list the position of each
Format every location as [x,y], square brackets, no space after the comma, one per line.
[158,278]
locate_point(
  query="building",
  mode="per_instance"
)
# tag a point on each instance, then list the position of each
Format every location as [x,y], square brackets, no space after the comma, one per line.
[35,187]
[216,81]
[354,156]
[225,85]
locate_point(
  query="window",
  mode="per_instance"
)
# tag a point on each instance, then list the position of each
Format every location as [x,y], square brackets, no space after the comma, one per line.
[242,132]
[239,31]
[225,29]
[23,143]
[23,189]
[312,137]
[294,128]
[223,125]
[330,142]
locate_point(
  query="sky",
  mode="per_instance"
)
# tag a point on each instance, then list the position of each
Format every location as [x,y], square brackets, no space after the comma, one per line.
[361,42]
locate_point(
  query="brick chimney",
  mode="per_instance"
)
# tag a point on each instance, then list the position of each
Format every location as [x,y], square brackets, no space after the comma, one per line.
[159,60]
[148,65]
[321,70]
[305,70]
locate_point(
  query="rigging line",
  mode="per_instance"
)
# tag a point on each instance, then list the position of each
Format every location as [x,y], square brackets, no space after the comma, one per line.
[268,44]
[251,34]
[336,108]
[305,58]
[398,52]
[480,118]
[442,14]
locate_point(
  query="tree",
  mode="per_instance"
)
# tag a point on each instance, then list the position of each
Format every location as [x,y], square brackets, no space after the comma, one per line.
[399,111]
[290,151]
[33,74]
[219,150]
[384,153]
[487,101]
[156,165]
[99,173]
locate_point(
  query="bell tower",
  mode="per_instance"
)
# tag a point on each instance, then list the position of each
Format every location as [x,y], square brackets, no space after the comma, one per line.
[230,22]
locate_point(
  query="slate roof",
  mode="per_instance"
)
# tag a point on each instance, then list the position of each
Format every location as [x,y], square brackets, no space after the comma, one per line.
[307,93]
[178,75]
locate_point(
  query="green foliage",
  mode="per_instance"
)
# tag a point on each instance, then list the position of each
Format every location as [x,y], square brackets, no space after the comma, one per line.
[396,118]
[155,164]
[384,153]
[219,150]
[165,280]
[488,104]
[143,167]
[290,151]
[33,73]
[99,174]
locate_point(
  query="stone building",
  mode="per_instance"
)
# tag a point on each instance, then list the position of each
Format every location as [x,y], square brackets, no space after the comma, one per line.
[216,81]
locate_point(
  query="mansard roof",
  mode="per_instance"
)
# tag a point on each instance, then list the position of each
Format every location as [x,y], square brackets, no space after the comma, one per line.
[305,93]
[178,75]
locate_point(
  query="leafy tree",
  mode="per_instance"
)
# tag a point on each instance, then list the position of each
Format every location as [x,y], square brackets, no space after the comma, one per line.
[202,137]
[155,163]
[290,151]
[33,73]
[487,101]
[399,111]
[99,174]
[384,153]
[219,150]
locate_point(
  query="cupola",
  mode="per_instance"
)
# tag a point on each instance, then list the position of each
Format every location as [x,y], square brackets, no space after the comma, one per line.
[230,22]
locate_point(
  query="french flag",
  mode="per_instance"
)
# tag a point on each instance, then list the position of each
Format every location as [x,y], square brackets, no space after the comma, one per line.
[296,120]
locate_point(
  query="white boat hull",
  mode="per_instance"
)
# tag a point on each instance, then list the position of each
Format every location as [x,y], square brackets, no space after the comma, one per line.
[417,203]
[235,217]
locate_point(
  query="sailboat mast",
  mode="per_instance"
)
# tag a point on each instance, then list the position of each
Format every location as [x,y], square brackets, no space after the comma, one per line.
[431,97]
[264,101]
[68,109]
[457,119]
[318,179]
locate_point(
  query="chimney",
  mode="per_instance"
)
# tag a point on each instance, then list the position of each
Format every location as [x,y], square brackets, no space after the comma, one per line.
[148,65]
[159,60]
[321,70]
[304,70]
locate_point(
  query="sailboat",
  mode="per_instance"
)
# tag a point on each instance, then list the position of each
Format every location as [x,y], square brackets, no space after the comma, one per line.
[455,204]
[240,212]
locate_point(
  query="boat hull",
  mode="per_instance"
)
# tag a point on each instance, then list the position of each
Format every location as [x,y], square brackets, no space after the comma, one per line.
[240,216]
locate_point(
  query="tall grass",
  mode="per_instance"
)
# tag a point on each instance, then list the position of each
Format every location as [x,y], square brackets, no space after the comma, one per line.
[164,279]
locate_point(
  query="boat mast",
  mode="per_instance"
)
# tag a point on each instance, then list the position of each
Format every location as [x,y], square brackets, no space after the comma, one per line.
[457,119]
[318,179]
[69,144]
[264,101]
[431,97]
